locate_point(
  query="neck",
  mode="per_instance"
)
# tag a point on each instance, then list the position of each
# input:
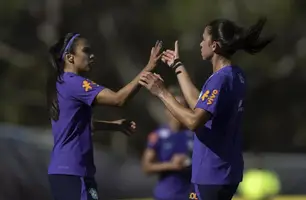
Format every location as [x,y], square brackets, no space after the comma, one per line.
[219,62]
[70,69]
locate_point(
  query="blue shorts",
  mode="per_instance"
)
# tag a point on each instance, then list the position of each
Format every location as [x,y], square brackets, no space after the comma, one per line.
[70,187]
[215,192]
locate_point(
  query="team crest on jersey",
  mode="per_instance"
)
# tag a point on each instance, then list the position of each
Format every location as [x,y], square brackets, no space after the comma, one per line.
[94,194]
[87,85]
[204,96]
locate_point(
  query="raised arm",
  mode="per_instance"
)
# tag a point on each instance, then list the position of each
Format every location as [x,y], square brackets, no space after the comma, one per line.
[119,98]
[191,118]
[206,106]
[190,92]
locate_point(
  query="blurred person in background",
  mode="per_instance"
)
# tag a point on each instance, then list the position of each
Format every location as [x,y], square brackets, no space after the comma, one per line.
[216,112]
[168,154]
[70,98]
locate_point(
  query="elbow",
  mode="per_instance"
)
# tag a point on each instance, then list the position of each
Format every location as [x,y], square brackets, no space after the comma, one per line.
[122,103]
[192,124]
[119,102]
[146,169]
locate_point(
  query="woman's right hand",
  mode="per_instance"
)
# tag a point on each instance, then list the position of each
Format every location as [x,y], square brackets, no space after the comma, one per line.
[178,161]
[155,55]
[169,56]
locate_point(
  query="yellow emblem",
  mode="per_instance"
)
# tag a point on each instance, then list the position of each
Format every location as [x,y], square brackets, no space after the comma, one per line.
[205,95]
[86,85]
[212,97]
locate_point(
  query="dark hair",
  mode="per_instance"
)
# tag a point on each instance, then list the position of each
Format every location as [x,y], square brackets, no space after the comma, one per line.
[57,52]
[233,37]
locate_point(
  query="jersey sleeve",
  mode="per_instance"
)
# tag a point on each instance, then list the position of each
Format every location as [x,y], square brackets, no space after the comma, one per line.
[153,141]
[213,93]
[84,89]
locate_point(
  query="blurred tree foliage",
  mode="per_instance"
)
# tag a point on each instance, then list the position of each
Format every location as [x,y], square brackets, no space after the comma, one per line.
[122,33]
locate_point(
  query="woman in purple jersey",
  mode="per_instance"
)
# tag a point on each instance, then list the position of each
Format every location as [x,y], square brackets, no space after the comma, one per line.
[216,114]
[168,155]
[70,99]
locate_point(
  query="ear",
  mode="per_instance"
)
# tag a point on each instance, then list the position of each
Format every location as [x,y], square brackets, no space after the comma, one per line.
[215,46]
[70,58]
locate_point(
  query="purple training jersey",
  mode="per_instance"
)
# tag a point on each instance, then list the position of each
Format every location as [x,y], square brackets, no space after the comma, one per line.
[217,154]
[72,153]
[172,185]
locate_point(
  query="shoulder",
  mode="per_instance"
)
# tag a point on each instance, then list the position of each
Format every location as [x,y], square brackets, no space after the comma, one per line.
[219,77]
[224,75]
[70,81]
[72,78]
[230,72]
[76,82]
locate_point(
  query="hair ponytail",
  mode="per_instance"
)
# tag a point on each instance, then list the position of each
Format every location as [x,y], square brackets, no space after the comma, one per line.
[57,52]
[251,42]
[54,77]
[233,37]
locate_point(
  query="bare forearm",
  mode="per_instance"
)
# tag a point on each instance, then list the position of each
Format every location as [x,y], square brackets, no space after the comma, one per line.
[190,92]
[104,125]
[157,167]
[182,114]
[128,91]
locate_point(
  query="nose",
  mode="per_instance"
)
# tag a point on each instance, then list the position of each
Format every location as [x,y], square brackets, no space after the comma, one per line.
[92,56]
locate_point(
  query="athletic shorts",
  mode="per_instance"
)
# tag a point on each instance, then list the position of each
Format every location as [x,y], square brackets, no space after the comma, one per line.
[214,192]
[68,187]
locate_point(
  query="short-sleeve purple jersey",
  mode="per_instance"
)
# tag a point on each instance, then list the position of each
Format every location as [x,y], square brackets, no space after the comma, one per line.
[166,143]
[72,153]
[217,154]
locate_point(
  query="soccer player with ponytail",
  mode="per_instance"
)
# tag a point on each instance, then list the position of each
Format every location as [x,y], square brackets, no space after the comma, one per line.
[70,98]
[216,114]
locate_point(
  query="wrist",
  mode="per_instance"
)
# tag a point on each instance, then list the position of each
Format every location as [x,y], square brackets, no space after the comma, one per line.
[150,66]
[163,93]
[179,69]
[176,65]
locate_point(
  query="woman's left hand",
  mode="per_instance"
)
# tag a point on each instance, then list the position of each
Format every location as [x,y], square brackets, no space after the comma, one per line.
[128,127]
[153,82]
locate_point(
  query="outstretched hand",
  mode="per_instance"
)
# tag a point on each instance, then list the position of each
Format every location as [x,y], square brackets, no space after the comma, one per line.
[127,127]
[155,54]
[152,82]
[169,56]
